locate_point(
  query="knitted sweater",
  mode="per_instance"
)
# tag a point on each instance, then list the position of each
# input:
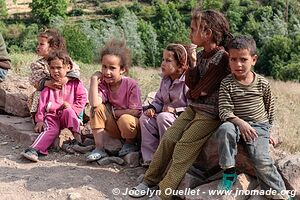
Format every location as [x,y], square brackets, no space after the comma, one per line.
[205,78]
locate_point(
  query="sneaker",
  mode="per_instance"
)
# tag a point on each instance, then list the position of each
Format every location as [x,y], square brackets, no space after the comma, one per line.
[31,154]
[127,148]
[227,182]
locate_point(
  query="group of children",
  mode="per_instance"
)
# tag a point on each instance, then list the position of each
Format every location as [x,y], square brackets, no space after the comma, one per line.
[214,90]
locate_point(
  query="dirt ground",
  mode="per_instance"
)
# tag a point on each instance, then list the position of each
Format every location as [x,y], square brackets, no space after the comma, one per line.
[60,176]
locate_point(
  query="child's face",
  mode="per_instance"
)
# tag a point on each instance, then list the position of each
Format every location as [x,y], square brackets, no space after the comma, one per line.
[57,69]
[111,69]
[241,63]
[43,49]
[169,66]
[196,35]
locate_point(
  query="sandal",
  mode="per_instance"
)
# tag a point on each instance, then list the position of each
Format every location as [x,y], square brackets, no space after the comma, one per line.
[141,190]
[96,154]
[68,148]
[31,154]
[126,149]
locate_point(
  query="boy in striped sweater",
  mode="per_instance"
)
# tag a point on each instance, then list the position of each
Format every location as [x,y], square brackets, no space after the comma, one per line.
[246,107]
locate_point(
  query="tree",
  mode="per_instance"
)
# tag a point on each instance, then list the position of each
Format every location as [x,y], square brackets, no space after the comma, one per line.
[44,10]
[3,10]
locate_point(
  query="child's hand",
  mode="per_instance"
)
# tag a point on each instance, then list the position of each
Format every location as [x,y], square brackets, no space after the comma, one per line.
[168,109]
[39,127]
[97,75]
[53,85]
[64,81]
[192,54]
[150,112]
[66,105]
[247,132]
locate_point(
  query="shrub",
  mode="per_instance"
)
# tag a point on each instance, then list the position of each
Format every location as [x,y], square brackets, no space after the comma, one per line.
[43,10]
[149,38]
[3,10]
[79,46]
[129,24]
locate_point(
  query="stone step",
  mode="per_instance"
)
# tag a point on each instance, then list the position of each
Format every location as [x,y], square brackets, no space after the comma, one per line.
[18,128]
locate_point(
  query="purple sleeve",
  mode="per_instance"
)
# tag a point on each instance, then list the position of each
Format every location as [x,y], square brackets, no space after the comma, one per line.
[157,102]
[80,98]
[44,97]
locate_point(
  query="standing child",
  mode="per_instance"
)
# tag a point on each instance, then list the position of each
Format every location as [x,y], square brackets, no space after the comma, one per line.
[58,108]
[115,101]
[4,60]
[183,141]
[246,107]
[169,102]
[48,41]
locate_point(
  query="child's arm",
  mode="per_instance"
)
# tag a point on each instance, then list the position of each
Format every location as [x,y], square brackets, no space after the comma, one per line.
[226,113]
[211,80]
[94,99]
[269,103]
[80,99]
[157,103]
[37,74]
[40,115]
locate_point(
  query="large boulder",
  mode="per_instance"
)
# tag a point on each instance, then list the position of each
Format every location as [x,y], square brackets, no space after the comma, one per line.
[209,191]
[14,93]
[289,167]
[208,158]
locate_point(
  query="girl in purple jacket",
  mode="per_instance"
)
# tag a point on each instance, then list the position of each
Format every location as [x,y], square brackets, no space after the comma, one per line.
[58,108]
[170,100]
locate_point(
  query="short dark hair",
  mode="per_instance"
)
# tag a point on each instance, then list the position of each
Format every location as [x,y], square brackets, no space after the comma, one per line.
[62,55]
[55,40]
[243,42]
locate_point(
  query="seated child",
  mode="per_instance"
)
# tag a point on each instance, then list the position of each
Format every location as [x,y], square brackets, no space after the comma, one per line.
[48,41]
[58,108]
[4,60]
[170,100]
[115,101]
[246,107]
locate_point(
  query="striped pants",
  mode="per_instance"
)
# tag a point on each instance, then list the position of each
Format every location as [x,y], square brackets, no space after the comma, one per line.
[181,143]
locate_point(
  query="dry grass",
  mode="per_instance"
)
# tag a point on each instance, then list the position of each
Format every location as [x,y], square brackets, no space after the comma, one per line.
[287,104]
[287,95]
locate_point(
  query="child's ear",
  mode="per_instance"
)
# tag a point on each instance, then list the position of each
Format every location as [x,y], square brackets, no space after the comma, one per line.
[208,33]
[122,70]
[254,59]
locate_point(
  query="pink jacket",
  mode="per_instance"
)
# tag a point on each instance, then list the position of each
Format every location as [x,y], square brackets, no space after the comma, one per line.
[51,100]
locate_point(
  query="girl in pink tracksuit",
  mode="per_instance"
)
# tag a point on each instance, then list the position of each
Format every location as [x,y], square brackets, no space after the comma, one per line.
[58,108]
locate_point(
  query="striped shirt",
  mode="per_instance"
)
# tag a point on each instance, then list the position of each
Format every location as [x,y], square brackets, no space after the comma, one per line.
[252,103]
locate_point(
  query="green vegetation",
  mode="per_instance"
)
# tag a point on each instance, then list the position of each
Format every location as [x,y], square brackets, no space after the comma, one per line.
[148,26]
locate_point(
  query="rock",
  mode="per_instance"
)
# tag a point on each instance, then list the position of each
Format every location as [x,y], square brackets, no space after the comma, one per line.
[109,160]
[209,191]
[289,167]
[65,135]
[88,178]
[74,196]
[14,93]
[18,128]
[196,177]
[111,145]
[132,159]
[208,158]
[140,178]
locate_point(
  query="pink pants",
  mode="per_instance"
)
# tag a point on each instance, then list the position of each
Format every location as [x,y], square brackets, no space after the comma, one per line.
[152,130]
[53,124]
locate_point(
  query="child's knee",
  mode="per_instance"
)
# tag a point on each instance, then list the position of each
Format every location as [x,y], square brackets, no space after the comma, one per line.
[226,129]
